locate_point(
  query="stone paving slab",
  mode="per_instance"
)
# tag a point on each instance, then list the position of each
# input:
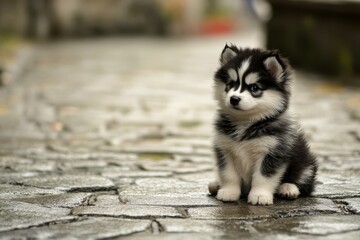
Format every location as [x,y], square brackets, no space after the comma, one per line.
[338,186]
[24,164]
[171,236]
[68,182]
[215,227]
[112,173]
[281,208]
[314,225]
[8,191]
[163,186]
[352,204]
[124,210]
[177,200]
[106,200]
[93,228]
[17,215]
[111,138]
[68,200]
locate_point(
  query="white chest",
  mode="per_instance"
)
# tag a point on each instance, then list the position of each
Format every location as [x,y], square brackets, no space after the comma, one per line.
[244,155]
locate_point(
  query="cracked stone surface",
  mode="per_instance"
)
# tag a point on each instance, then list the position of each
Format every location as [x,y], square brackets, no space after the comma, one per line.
[93,228]
[16,191]
[171,236]
[216,227]
[68,182]
[338,186]
[352,204]
[68,200]
[279,209]
[123,210]
[16,215]
[185,200]
[99,139]
[316,225]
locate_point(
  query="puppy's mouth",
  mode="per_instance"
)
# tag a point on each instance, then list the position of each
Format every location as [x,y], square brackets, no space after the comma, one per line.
[237,108]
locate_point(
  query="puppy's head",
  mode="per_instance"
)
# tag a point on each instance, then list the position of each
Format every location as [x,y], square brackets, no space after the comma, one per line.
[252,83]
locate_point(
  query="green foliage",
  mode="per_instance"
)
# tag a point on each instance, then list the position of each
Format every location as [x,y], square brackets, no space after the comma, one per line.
[345,61]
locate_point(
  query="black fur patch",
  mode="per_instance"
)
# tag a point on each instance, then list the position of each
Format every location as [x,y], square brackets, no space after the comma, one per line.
[224,125]
[271,126]
[222,75]
[220,159]
[276,158]
[300,159]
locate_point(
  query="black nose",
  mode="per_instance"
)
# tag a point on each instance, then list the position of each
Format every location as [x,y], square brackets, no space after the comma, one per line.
[234,100]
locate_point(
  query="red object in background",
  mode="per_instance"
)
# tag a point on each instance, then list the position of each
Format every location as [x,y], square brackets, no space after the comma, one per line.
[216,26]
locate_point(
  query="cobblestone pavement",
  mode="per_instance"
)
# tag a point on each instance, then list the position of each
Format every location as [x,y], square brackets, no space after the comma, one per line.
[112,139]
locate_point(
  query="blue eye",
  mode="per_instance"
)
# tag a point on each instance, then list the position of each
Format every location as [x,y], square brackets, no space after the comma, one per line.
[254,88]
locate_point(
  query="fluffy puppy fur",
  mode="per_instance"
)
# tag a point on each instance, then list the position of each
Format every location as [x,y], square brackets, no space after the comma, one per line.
[259,147]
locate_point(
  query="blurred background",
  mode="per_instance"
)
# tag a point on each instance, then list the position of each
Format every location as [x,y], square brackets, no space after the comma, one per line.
[320,36]
[45,19]
[113,98]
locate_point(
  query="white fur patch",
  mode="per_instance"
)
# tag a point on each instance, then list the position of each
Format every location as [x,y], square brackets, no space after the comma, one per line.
[247,102]
[229,181]
[251,78]
[289,190]
[229,194]
[260,197]
[244,66]
[263,188]
[219,93]
[305,175]
[266,105]
[232,74]
[242,157]
[270,102]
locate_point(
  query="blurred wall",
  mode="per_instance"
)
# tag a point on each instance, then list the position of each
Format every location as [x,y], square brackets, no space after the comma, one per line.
[321,36]
[53,18]
[13,16]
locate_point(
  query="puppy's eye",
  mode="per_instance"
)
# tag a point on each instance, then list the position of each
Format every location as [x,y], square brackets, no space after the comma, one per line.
[229,85]
[254,88]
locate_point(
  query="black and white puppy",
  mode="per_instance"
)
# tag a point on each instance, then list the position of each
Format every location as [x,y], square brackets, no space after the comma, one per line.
[259,147]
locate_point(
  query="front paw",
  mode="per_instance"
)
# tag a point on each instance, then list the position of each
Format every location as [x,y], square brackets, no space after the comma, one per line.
[260,197]
[228,194]
[289,191]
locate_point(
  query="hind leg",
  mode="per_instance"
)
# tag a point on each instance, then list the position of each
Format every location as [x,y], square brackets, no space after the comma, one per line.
[288,190]
[214,187]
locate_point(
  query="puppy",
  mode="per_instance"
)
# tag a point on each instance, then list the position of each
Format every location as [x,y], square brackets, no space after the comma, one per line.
[259,147]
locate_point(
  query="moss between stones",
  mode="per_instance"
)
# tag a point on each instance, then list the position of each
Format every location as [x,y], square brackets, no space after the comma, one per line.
[155,156]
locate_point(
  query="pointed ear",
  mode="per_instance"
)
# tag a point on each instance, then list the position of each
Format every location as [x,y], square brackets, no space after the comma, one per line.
[228,53]
[274,66]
